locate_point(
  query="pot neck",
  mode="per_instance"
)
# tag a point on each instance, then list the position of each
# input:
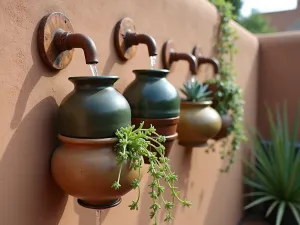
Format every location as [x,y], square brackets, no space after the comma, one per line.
[93,82]
[151,74]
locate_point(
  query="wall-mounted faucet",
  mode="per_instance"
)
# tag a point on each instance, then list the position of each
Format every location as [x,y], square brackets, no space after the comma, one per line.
[169,56]
[205,60]
[126,40]
[57,40]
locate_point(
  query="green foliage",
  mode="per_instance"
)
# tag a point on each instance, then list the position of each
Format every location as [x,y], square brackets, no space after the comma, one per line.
[228,97]
[195,91]
[256,23]
[236,7]
[132,146]
[276,178]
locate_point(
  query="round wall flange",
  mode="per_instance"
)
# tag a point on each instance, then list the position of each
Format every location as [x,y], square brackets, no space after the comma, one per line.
[122,27]
[167,49]
[50,54]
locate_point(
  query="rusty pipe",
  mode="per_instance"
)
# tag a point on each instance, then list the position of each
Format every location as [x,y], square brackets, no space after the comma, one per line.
[174,56]
[136,39]
[67,41]
[212,61]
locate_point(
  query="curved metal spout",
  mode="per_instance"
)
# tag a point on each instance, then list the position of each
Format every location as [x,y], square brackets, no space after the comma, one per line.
[174,56]
[212,61]
[136,39]
[67,41]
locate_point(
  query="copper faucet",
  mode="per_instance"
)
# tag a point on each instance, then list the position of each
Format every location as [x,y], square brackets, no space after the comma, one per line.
[56,42]
[136,39]
[126,40]
[169,56]
[67,41]
[205,60]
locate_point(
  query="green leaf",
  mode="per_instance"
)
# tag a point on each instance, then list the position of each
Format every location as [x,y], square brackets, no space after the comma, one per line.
[295,212]
[280,213]
[271,208]
[259,201]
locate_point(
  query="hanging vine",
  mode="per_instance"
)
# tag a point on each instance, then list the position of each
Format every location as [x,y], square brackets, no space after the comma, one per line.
[228,97]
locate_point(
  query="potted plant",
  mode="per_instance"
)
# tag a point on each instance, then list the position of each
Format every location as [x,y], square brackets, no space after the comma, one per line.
[133,144]
[154,101]
[84,165]
[274,177]
[227,95]
[198,120]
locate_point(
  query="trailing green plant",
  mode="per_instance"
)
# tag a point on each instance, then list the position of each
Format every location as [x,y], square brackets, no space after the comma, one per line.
[228,97]
[133,144]
[196,91]
[275,176]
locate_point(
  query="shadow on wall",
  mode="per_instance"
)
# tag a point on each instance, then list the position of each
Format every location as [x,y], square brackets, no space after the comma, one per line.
[27,191]
[36,71]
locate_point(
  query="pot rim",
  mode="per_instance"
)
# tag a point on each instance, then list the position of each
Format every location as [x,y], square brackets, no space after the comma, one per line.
[203,103]
[157,119]
[87,141]
[100,77]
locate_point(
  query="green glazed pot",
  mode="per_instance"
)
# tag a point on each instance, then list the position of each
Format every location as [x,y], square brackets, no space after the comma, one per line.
[94,109]
[151,95]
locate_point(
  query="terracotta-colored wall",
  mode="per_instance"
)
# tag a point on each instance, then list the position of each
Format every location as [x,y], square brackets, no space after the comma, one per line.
[278,74]
[30,95]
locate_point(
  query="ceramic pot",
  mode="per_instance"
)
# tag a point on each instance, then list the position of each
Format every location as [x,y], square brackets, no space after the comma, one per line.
[152,96]
[154,100]
[94,109]
[226,123]
[198,123]
[87,168]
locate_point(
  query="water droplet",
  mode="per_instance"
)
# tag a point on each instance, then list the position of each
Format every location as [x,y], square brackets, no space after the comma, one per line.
[152,61]
[94,70]
[193,78]
[98,217]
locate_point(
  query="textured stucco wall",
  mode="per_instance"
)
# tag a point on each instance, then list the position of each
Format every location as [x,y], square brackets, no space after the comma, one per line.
[30,95]
[279,76]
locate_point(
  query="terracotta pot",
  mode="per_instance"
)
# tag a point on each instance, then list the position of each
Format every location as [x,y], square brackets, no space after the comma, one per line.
[87,168]
[94,109]
[226,123]
[198,123]
[152,96]
[166,127]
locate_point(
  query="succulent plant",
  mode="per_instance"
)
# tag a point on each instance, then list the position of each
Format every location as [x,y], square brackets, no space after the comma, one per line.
[196,91]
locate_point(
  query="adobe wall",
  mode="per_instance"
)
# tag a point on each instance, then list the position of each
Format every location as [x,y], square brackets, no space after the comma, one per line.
[30,95]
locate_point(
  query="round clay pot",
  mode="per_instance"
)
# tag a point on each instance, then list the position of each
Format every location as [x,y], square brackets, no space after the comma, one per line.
[198,123]
[152,96]
[166,127]
[87,169]
[94,109]
[226,123]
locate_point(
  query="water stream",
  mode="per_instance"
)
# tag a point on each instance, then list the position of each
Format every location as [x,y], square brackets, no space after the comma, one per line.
[94,70]
[98,217]
[152,61]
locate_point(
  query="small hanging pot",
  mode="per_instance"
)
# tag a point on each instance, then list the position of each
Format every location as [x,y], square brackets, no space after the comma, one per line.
[226,118]
[154,101]
[198,123]
[85,165]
